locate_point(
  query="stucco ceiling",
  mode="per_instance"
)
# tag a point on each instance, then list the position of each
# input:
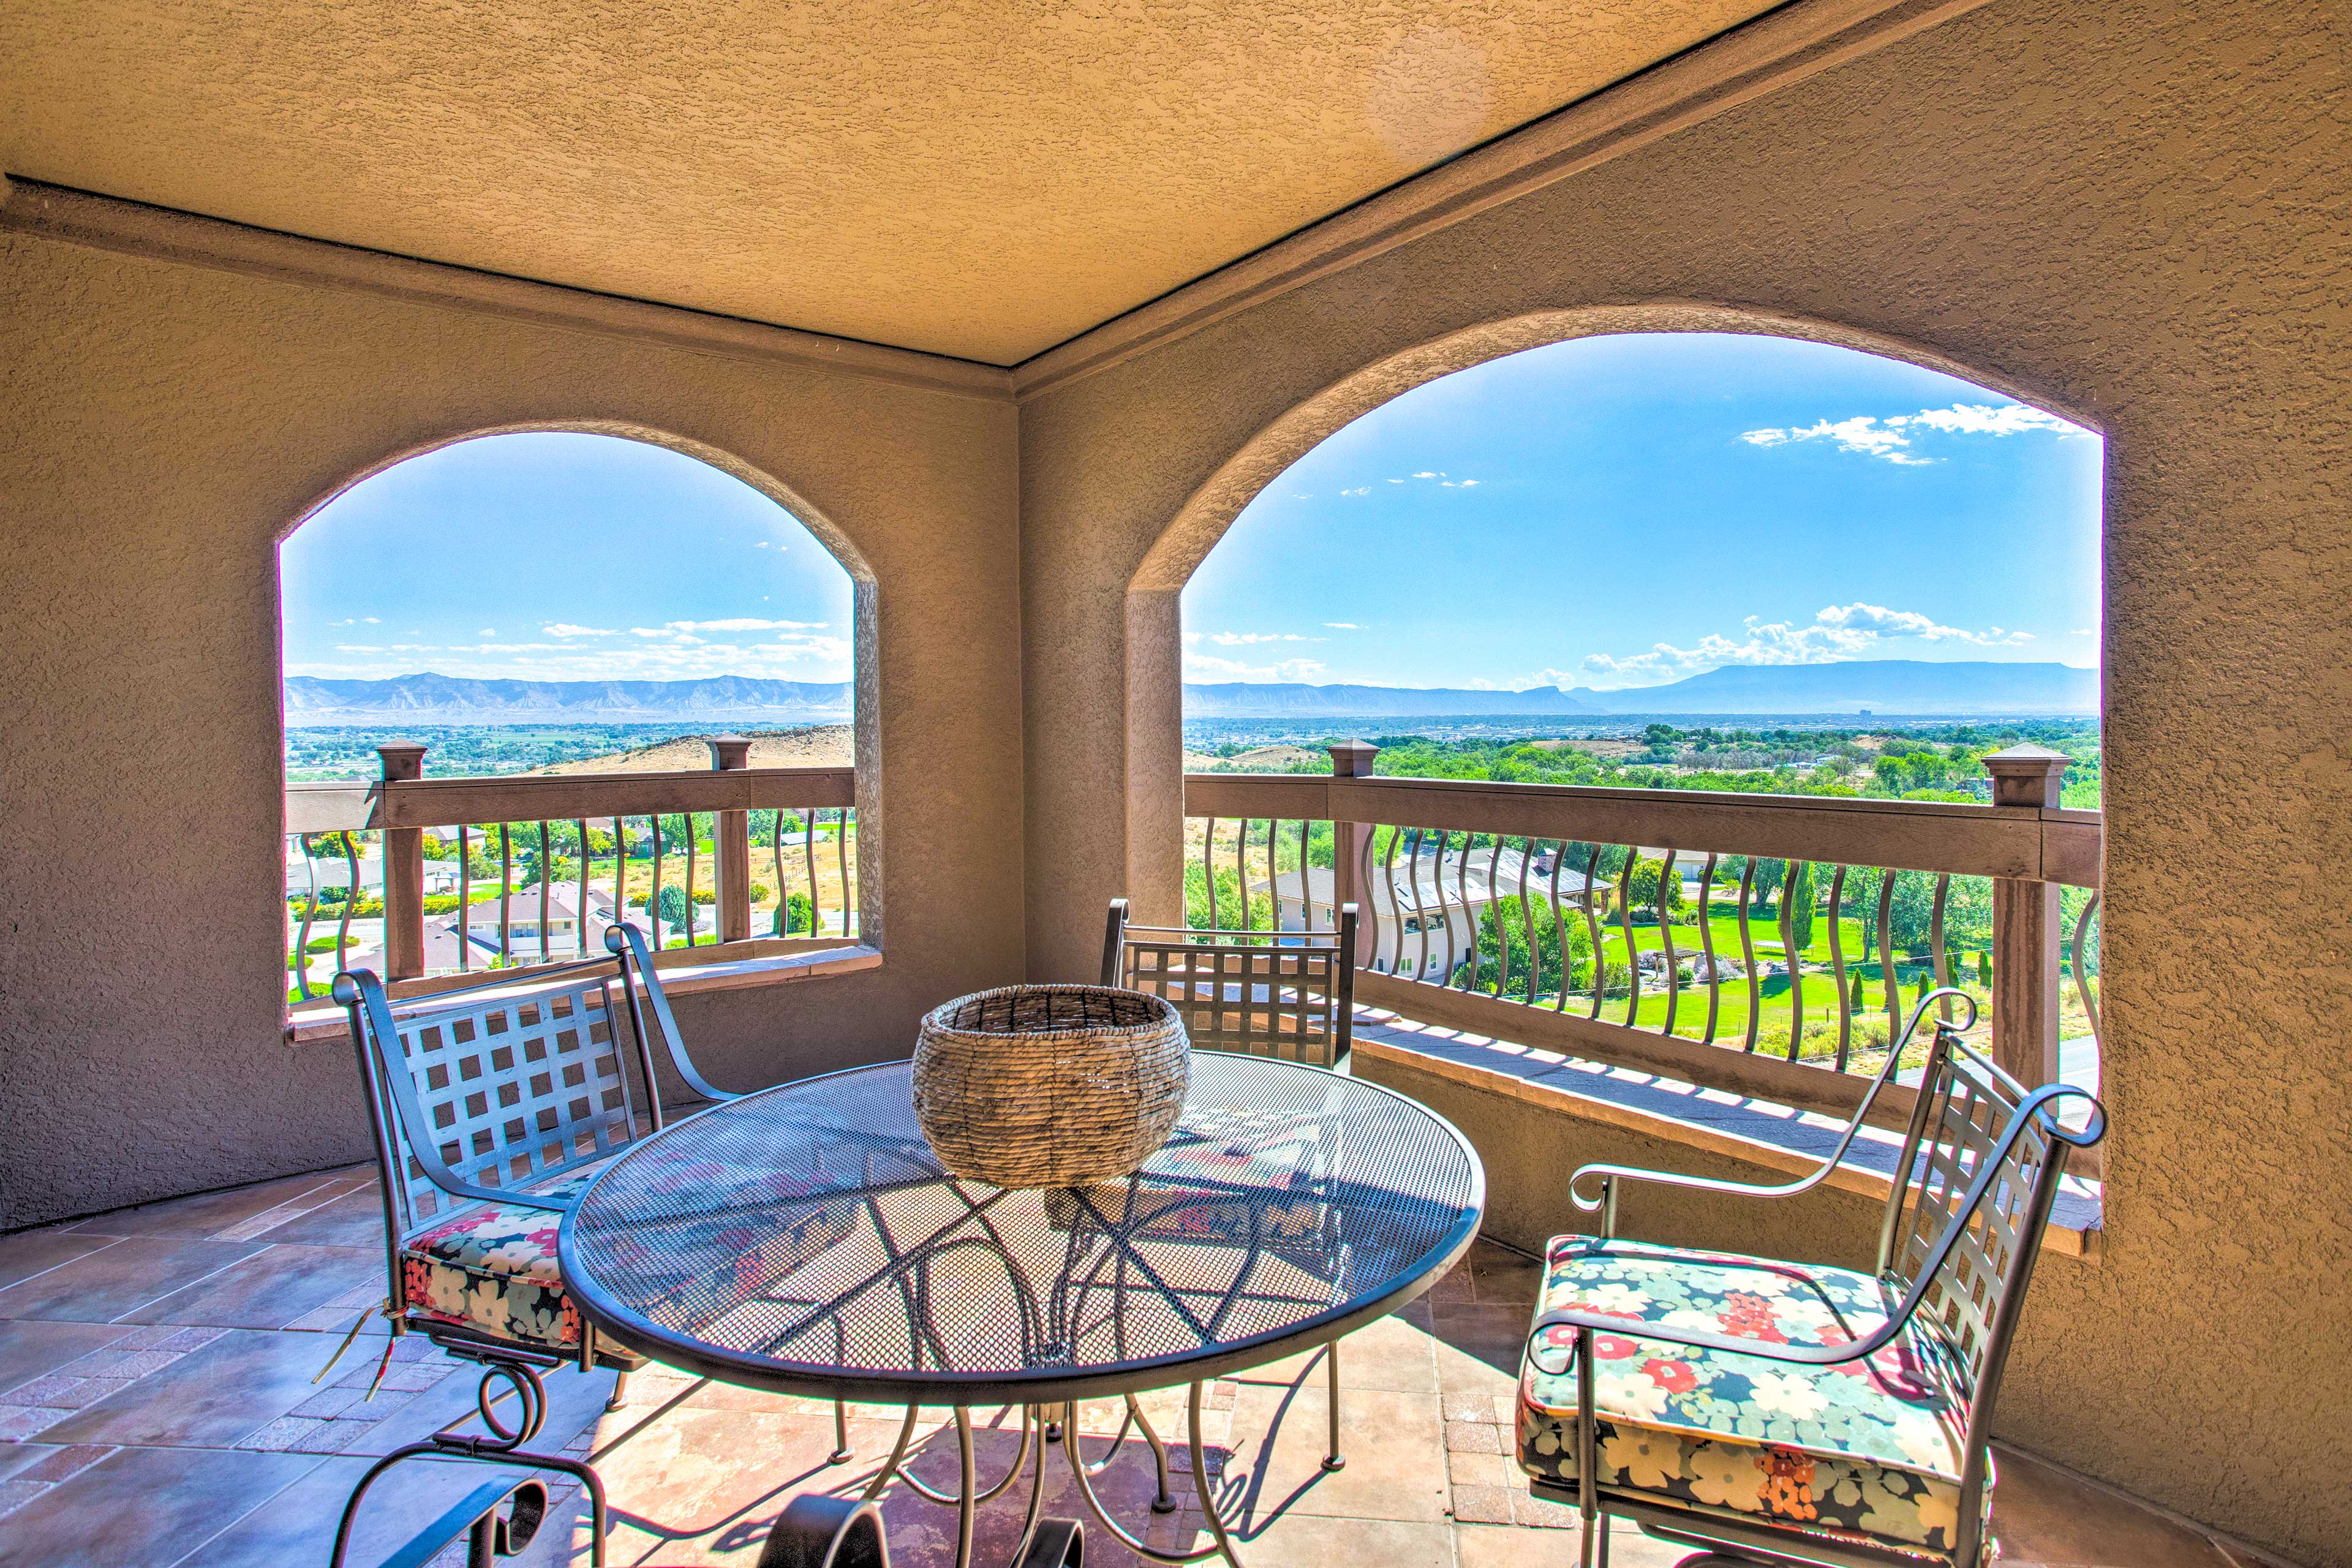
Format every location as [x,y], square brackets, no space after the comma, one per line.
[983,180]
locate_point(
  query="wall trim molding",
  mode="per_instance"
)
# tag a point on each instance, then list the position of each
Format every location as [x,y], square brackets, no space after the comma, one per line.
[1775,50]
[134,228]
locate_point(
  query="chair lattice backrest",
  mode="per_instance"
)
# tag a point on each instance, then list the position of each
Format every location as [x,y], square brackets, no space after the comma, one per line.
[1289,995]
[1967,1107]
[500,1086]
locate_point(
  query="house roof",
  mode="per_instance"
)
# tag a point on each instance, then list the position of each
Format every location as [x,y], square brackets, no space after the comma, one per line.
[983,182]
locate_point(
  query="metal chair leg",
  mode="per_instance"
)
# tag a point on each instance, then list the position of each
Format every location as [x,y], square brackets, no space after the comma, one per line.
[842,1453]
[1332,1458]
[620,1388]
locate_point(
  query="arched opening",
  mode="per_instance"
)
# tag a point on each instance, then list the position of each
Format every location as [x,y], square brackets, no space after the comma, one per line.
[596,620]
[1695,560]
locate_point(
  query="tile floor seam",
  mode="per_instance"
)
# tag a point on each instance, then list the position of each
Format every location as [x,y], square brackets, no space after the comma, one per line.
[188,1285]
[64,1262]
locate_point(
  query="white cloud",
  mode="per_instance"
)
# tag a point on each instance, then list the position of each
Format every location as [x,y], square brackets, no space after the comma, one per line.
[566,629]
[371,620]
[1889,439]
[1428,474]
[488,632]
[1837,632]
[743,624]
[344,622]
[1459,484]
[1234,669]
[1244,639]
[769,544]
[1358,490]
[1343,625]
[1396,482]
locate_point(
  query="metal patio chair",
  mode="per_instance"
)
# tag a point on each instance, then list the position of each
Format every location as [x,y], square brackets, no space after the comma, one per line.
[493,1106]
[1290,996]
[1778,1413]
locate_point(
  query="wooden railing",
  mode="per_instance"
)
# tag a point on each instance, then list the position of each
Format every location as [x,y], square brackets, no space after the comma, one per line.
[1510,909]
[604,826]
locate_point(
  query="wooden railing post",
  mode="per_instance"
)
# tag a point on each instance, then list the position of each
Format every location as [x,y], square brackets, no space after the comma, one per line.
[403,871]
[1350,760]
[731,845]
[2027,928]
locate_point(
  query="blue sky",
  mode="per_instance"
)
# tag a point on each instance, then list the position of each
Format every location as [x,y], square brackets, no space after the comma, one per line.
[1627,511]
[1610,512]
[561,557]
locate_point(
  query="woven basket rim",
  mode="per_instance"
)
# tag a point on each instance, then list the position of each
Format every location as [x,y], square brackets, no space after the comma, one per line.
[934,1022]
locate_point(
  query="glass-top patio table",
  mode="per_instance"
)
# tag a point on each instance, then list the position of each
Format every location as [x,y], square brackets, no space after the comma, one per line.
[805,1240]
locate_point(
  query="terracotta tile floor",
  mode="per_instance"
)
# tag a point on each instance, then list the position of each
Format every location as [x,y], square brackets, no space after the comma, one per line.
[156,1408]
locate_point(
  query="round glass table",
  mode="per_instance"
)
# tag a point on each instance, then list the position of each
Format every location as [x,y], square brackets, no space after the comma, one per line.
[805,1240]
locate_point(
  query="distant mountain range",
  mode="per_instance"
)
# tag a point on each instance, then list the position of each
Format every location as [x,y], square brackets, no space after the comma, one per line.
[449,699]
[1893,686]
[1888,685]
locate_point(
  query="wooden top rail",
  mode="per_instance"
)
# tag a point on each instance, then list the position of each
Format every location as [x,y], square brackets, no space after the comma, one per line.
[2029,843]
[556,797]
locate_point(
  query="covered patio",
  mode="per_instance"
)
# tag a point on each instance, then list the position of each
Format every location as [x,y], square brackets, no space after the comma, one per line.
[1016,309]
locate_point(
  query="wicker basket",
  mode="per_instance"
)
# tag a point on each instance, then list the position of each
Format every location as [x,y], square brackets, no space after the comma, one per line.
[1050,1085]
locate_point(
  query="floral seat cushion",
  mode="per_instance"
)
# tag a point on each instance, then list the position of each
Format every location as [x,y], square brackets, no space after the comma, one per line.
[1867,1449]
[492,1267]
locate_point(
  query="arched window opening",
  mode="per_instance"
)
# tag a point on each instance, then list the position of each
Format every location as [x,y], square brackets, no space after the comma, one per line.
[1820,587]
[591,627]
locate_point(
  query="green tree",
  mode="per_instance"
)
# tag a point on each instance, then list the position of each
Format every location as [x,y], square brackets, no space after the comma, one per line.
[1800,898]
[1501,926]
[794,916]
[1855,1001]
[1654,891]
[1984,968]
[670,907]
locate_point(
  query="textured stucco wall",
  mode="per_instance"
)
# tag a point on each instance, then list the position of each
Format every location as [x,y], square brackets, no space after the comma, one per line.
[164,425]
[2136,212]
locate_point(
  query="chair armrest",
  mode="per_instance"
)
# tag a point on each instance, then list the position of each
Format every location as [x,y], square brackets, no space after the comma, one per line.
[1604,1203]
[459,1187]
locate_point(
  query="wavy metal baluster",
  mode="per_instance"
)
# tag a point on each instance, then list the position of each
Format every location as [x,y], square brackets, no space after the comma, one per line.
[1495,906]
[1837,966]
[1747,951]
[620,870]
[1936,942]
[351,899]
[1412,872]
[2082,978]
[692,848]
[546,943]
[1306,885]
[1559,925]
[1437,885]
[1888,985]
[1706,947]
[776,856]
[1461,903]
[1396,909]
[1527,924]
[1592,928]
[808,851]
[1209,869]
[1246,919]
[506,893]
[310,909]
[1788,957]
[580,923]
[465,898]
[1625,924]
[653,894]
[841,855]
[1667,942]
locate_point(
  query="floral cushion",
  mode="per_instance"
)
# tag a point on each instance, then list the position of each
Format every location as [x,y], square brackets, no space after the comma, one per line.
[1868,1449]
[492,1267]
